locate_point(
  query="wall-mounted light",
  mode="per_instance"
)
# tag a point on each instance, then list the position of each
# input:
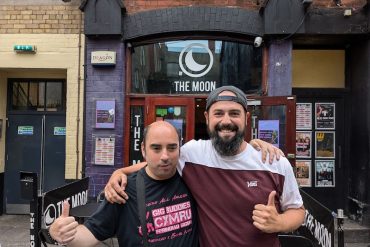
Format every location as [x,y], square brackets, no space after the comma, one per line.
[257,41]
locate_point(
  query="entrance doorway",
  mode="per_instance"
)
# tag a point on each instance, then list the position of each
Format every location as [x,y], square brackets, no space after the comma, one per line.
[327,160]
[272,119]
[35,137]
[35,143]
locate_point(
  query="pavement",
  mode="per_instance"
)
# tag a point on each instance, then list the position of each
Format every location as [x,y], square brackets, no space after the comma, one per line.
[14,231]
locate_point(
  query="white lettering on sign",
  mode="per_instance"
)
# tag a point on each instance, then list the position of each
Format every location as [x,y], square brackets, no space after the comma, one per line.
[32,221]
[53,211]
[79,199]
[137,133]
[194,86]
[318,230]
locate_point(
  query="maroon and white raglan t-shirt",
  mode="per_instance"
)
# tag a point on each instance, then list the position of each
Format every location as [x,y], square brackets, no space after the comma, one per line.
[226,190]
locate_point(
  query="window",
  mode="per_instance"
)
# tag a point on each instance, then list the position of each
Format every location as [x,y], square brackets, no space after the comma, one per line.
[195,67]
[37,95]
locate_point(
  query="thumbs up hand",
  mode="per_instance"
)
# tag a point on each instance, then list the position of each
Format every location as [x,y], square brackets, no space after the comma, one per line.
[265,217]
[63,229]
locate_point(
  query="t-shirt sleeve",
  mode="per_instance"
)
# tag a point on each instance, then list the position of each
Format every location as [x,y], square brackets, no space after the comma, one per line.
[103,223]
[291,198]
[184,155]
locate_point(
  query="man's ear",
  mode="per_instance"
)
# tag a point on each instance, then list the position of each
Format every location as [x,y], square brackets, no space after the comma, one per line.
[206,116]
[143,150]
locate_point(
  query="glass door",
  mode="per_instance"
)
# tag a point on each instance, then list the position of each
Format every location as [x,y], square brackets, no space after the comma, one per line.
[272,119]
[177,111]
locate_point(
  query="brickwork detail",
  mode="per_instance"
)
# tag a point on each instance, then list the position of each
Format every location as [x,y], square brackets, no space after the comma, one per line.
[190,19]
[134,6]
[104,83]
[27,19]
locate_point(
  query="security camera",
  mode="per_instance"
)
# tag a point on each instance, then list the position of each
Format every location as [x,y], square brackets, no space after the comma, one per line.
[257,41]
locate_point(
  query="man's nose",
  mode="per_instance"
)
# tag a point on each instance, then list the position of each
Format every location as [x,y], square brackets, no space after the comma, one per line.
[226,119]
[164,155]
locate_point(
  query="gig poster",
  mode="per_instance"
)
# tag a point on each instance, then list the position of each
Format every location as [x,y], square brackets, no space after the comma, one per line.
[325,144]
[104,151]
[268,131]
[303,144]
[325,173]
[105,114]
[325,116]
[304,116]
[303,173]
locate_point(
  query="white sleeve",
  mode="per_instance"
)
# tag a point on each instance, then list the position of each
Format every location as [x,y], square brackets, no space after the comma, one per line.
[291,198]
[184,153]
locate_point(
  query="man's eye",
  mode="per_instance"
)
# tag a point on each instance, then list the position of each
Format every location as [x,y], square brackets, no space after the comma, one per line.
[171,149]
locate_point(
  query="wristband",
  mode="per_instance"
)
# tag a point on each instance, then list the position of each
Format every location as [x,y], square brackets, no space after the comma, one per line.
[45,237]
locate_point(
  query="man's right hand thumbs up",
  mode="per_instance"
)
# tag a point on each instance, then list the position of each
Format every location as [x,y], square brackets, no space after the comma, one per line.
[64,227]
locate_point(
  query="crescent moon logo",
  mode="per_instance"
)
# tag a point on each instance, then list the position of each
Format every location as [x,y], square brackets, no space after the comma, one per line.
[49,219]
[197,70]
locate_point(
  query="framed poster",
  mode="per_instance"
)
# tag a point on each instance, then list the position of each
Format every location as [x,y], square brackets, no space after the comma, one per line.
[324,173]
[303,173]
[303,144]
[105,114]
[325,116]
[304,116]
[104,151]
[268,131]
[325,144]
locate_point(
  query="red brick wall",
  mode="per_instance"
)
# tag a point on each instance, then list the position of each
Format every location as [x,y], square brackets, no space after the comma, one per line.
[134,6]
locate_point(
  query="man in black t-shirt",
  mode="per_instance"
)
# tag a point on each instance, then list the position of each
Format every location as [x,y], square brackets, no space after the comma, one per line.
[170,208]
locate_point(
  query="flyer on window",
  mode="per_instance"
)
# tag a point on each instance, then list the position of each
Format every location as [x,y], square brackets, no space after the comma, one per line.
[268,131]
[325,116]
[303,173]
[325,144]
[105,114]
[325,173]
[303,144]
[104,151]
[304,116]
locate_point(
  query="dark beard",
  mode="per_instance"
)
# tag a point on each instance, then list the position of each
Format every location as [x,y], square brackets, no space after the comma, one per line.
[228,147]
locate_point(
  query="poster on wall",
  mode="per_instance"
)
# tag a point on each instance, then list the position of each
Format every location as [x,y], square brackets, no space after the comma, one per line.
[268,131]
[325,116]
[303,144]
[325,144]
[325,173]
[304,116]
[104,151]
[105,114]
[303,173]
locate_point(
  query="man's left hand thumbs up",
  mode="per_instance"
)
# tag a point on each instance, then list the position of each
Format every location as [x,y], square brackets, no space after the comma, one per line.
[265,217]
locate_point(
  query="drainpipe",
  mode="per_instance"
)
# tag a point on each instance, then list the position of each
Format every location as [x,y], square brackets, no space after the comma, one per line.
[79,97]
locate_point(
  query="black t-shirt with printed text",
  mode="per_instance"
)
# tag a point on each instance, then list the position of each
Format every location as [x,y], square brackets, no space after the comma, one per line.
[170,215]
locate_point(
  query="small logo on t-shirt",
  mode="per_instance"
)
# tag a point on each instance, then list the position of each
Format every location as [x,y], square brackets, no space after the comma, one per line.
[252,183]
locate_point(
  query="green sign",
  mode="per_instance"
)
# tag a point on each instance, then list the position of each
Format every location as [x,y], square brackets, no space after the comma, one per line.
[25,130]
[59,131]
[26,48]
